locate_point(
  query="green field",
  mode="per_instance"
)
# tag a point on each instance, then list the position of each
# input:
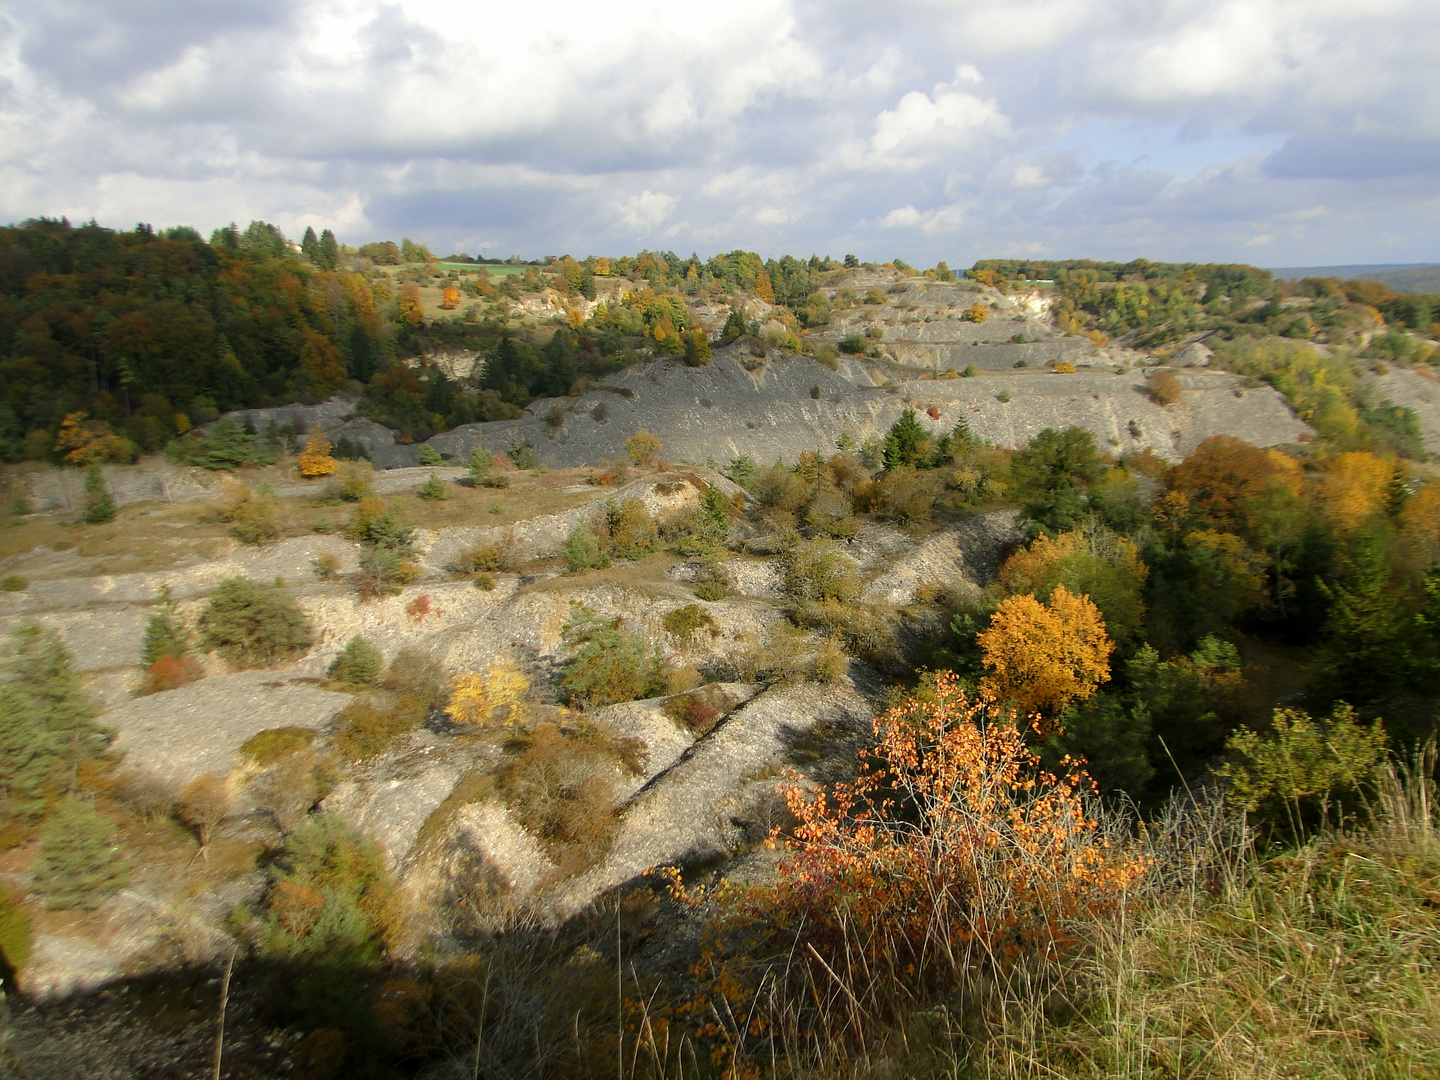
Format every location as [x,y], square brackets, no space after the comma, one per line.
[495,270]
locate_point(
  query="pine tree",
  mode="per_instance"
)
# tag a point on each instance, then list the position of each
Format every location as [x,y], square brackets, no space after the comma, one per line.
[99,507]
[47,721]
[360,662]
[78,866]
[329,251]
[310,245]
[433,490]
[166,634]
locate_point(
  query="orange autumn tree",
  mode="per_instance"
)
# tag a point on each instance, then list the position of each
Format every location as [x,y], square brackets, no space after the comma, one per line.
[952,857]
[315,459]
[449,298]
[1044,656]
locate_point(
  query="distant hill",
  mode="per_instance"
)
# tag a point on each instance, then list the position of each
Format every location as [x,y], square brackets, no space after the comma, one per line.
[1402,277]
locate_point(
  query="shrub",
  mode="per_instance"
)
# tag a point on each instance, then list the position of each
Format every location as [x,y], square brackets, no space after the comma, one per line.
[78,868]
[352,483]
[273,744]
[522,456]
[866,630]
[99,506]
[698,711]
[13,583]
[253,625]
[904,495]
[776,487]
[491,557]
[480,463]
[171,673]
[315,459]
[970,372]
[15,938]
[1065,368]
[430,456]
[166,633]
[642,448]
[476,698]
[433,490]
[485,582]
[687,620]
[255,518]
[327,565]
[368,727]
[1290,778]
[384,572]
[976,313]
[605,664]
[359,663]
[1164,388]
[712,590]
[583,550]
[632,530]
[817,571]
[380,524]
[201,806]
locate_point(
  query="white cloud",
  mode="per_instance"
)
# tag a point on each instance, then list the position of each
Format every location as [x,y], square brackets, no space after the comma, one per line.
[1192,128]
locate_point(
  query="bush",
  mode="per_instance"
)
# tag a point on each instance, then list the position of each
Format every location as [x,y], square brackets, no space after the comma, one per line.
[13,583]
[253,625]
[352,483]
[379,524]
[583,550]
[866,630]
[315,459]
[360,663]
[166,633]
[171,673]
[327,565]
[430,456]
[433,490]
[78,868]
[384,572]
[605,664]
[255,518]
[477,697]
[486,557]
[270,746]
[522,456]
[15,938]
[632,530]
[368,727]
[1164,388]
[687,620]
[485,582]
[817,571]
[712,590]
[642,448]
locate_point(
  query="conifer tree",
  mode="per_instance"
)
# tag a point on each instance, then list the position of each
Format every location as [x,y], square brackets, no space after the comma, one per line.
[78,867]
[329,254]
[99,507]
[310,245]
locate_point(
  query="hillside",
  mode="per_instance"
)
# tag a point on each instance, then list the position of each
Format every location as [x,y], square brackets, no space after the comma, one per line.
[651,662]
[1408,278]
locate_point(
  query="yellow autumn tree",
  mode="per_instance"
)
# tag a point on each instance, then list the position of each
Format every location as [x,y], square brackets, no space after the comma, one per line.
[315,459]
[1094,562]
[1354,488]
[977,312]
[88,442]
[476,697]
[1044,656]
[764,290]
[411,311]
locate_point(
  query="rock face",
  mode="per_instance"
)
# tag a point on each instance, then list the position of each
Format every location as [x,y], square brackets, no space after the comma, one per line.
[791,405]
[182,734]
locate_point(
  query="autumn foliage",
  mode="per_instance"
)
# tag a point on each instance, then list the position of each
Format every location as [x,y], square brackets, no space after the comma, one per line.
[476,697]
[1044,656]
[315,459]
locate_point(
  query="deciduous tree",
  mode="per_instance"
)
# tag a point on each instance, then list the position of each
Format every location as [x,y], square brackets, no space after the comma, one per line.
[1044,656]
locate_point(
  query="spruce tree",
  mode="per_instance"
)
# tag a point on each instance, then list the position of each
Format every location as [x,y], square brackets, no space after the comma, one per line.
[360,662]
[47,721]
[329,251]
[78,867]
[310,245]
[433,490]
[166,634]
[99,507]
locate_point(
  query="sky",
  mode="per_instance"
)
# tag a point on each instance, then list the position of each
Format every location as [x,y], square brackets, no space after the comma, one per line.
[1274,132]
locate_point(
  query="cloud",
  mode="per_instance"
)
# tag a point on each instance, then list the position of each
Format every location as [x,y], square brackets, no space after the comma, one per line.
[1185,129]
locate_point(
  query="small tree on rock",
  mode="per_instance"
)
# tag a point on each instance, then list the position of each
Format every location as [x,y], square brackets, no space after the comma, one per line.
[315,459]
[254,625]
[79,867]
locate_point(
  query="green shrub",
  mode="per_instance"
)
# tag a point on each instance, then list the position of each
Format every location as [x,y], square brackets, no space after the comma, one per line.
[522,456]
[268,747]
[166,633]
[583,550]
[1292,777]
[421,676]
[430,456]
[605,664]
[384,572]
[78,867]
[485,581]
[684,621]
[254,518]
[712,590]
[15,938]
[866,630]
[479,463]
[13,583]
[379,524]
[817,571]
[99,506]
[359,663]
[433,490]
[253,625]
